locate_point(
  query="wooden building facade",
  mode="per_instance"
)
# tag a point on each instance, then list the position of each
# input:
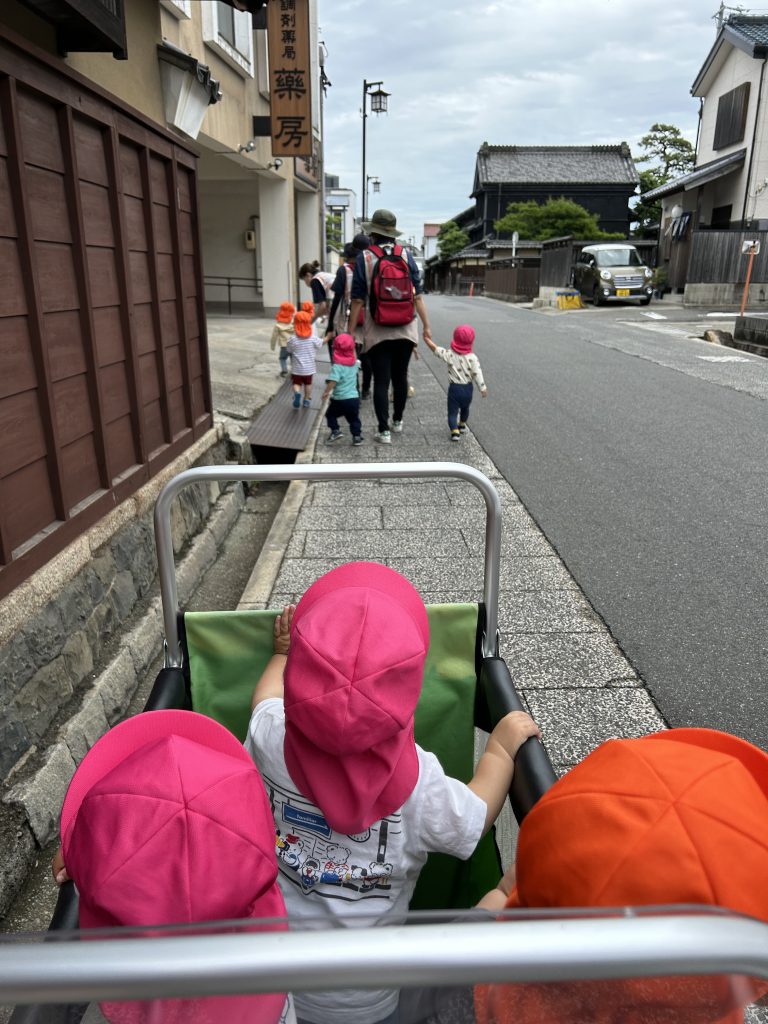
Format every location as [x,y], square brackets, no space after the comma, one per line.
[103,353]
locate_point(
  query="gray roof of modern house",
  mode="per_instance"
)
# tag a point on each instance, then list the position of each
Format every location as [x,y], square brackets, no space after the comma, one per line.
[748,33]
[699,176]
[555,165]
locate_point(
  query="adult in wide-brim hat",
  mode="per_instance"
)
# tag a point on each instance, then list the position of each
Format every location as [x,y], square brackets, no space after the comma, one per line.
[388,344]
[383,223]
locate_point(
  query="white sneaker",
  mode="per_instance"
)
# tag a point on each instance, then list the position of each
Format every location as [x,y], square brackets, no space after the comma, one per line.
[397,426]
[384,437]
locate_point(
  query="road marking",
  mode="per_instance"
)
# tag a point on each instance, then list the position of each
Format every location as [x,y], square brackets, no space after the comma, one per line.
[724,359]
[654,316]
[722,314]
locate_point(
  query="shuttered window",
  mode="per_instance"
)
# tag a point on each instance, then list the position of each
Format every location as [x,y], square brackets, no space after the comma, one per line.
[731,117]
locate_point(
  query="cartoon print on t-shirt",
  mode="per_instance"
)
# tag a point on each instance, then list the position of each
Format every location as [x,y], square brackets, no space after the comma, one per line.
[307,853]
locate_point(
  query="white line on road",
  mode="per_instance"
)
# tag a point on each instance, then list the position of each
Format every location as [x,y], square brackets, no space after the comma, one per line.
[724,359]
[654,316]
[722,314]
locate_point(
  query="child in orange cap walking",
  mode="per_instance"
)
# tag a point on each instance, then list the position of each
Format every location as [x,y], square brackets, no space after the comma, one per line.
[281,332]
[357,802]
[302,346]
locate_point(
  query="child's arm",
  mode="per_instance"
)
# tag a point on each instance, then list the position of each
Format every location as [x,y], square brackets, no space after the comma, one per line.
[58,869]
[493,775]
[330,384]
[430,344]
[477,373]
[271,682]
[497,898]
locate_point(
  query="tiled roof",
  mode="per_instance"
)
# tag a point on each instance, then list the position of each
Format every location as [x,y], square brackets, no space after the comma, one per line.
[556,165]
[710,171]
[507,243]
[754,29]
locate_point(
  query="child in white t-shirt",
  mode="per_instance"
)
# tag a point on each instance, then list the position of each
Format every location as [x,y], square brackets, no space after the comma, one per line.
[357,804]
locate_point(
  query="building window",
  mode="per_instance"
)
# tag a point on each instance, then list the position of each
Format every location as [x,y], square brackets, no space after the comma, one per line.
[226,19]
[230,33]
[178,8]
[731,117]
[721,216]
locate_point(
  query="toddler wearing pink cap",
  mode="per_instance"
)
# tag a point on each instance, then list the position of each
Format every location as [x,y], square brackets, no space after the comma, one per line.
[357,803]
[341,388]
[160,811]
[463,368]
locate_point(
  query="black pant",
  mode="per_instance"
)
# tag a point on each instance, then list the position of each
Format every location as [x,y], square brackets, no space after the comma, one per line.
[349,408]
[389,362]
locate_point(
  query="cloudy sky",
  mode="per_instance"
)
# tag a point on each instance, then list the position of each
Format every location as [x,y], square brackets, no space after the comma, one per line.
[525,72]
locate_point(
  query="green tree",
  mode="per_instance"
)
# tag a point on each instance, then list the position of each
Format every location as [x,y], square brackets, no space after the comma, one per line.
[672,153]
[647,214]
[333,227]
[450,240]
[554,219]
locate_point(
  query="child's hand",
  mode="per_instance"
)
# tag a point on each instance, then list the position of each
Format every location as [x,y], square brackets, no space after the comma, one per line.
[513,730]
[58,870]
[483,392]
[281,642]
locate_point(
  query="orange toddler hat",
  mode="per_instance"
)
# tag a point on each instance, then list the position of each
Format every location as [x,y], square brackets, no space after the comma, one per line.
[308,307]
[678,817]
[285,313]
[302,325]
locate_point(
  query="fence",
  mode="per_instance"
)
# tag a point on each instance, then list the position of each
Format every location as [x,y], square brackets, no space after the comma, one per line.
[716,257]
[216,287]
[514,283]
[103,362]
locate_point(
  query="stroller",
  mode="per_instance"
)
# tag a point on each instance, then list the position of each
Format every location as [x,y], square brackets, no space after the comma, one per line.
[212,660]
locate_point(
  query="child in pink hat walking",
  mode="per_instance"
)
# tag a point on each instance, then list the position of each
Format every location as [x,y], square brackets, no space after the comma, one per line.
[357,803]
[463,368]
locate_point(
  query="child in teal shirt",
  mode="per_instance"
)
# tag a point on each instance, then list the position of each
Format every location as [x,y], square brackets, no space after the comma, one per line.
[341,384]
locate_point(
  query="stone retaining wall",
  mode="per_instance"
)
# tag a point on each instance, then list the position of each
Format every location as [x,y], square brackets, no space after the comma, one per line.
[68,668]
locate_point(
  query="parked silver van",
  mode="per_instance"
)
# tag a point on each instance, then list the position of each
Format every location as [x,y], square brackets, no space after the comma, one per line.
[612,270]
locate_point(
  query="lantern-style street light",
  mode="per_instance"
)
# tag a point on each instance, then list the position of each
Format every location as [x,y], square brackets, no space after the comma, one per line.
[378,106]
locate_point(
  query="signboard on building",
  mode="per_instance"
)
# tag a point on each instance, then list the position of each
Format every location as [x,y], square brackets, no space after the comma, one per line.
[290,77]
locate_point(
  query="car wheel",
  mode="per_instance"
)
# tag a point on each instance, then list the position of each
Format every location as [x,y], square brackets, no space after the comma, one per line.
[597,298]
[646,301]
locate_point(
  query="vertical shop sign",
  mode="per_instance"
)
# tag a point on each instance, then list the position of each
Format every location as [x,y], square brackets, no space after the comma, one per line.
[290,78]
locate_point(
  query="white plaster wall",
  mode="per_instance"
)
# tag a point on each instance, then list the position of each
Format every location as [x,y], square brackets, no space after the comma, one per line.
[226,209]
[307,234]
[737,68]
[278,271]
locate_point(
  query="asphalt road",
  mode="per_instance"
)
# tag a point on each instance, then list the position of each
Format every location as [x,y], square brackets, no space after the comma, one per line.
[641,453]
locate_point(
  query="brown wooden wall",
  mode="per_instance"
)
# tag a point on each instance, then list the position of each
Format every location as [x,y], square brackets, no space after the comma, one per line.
[103,362]
[716,257]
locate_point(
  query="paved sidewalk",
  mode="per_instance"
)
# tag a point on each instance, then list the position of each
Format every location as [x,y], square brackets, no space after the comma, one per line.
[571,674]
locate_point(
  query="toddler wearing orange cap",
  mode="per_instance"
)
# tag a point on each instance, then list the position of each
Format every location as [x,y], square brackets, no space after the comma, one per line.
[281,332]
[302,345]
[678,817]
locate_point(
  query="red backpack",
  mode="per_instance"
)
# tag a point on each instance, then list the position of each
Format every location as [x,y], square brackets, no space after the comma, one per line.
[390,293]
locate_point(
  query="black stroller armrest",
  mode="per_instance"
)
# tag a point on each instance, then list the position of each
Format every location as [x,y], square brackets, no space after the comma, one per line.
[534,773]
[169,691]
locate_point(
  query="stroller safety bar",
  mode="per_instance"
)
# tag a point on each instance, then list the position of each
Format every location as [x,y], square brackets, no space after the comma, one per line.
[369,471]
[556,949]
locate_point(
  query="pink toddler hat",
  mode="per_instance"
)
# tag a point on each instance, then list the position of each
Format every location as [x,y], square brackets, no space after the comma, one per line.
[166,821]
[463,340]
[344,350]
[359,639]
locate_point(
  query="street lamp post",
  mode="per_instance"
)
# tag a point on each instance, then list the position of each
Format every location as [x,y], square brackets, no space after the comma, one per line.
[372,179]
[378,106]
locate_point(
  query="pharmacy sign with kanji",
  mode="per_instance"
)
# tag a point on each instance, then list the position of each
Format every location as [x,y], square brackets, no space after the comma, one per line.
[290,78]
